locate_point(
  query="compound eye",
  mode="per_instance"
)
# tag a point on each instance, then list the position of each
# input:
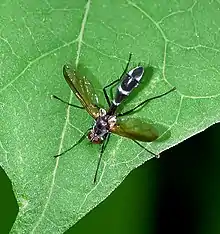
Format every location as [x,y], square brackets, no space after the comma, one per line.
[97,141]
[94,139]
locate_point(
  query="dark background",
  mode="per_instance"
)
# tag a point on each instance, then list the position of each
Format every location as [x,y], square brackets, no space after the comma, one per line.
[178,193]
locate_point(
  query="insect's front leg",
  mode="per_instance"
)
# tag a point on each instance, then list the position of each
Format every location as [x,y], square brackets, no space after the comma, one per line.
[77,143]
[103,146]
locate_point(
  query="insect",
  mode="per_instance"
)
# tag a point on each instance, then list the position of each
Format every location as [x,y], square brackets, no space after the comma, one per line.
[109,121]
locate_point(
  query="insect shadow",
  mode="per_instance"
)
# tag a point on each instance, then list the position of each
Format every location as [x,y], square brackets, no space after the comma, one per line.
[111,120]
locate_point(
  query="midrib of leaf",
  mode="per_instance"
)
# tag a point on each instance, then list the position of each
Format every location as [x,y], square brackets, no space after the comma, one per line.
[79,40]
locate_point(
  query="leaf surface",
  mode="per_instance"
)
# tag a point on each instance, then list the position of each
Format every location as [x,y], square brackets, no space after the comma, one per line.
[178,40]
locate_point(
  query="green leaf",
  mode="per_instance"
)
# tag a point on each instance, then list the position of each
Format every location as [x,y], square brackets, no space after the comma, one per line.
[179,40]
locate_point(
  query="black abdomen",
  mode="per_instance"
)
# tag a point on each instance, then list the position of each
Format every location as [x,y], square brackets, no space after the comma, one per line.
[129,82]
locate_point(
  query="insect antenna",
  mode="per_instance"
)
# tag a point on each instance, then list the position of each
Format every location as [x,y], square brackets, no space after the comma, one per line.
[156,155]
[80,107]
[103,146]
[146,101]
[78,142]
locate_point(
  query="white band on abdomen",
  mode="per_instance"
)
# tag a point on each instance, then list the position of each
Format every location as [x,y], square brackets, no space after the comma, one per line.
[123,91]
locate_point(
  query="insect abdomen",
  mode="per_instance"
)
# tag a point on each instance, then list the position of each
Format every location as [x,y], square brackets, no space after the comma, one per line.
[130,81]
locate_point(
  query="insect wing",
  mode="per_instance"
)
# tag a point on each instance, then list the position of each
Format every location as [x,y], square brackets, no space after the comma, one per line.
[83,90]
[135,129]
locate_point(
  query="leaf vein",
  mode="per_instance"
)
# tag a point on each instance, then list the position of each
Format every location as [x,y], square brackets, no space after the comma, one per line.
[79,39]
[36,60]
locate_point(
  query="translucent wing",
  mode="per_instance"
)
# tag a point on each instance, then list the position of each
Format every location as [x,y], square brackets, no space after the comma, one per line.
[83,90]
[135,129]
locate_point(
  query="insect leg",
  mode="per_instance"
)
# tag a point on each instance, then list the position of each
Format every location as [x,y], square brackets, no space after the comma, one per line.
[144,102]
[103,146]
[105,92]
[116,81]
[78,142]
[80,107]
[156,155]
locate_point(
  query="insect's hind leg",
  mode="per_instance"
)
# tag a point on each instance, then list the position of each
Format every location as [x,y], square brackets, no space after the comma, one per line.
[146,101]
[156,155]
[79,107]
[116,81]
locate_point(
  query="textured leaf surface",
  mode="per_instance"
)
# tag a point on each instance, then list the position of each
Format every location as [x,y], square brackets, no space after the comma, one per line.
[179,39]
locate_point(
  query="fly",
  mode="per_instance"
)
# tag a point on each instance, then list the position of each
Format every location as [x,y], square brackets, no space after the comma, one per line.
[109,121]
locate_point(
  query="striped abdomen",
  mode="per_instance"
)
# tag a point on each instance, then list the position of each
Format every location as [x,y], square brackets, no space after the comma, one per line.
[129,82]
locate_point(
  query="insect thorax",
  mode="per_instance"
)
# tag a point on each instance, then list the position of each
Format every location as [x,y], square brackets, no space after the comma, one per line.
[101,127]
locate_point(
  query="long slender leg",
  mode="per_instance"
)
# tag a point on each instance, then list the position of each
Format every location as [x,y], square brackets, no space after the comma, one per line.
[80,107]
[144,102]
[114,82]
[78,142]
[156,155]
[105,92]
[103,146]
